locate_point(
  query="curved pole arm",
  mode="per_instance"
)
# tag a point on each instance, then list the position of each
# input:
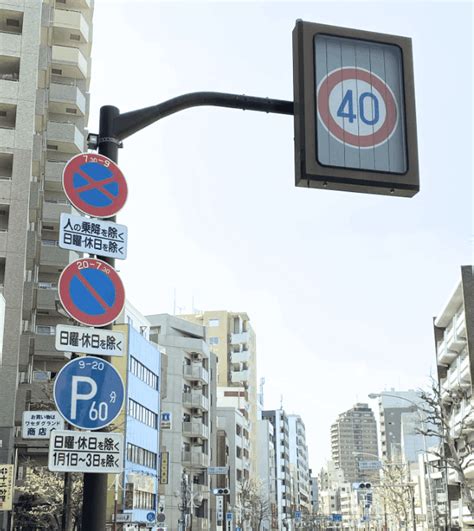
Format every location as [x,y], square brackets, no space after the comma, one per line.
[130,122]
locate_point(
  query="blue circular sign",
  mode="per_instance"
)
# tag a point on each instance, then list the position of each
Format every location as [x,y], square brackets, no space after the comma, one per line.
[89,393]
[150,517]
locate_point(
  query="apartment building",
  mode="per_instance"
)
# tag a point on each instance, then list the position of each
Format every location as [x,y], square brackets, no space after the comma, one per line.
[136,489]
[45,51]
[454,342]
[399,420]
[188,438]
[281,442]
[231,338]
[354,439]
[314,492]
[299,463]
[267,470]
[232,422]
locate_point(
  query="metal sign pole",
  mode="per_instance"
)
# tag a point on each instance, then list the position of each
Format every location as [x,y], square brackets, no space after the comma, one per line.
[95,485]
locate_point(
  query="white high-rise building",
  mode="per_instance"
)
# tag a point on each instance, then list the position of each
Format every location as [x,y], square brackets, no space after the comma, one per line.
[299,463]
[454,336]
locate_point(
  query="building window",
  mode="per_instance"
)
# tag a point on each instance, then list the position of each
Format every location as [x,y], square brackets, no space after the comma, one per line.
[213,340]
[213,322]
[142,414]
[143,373]
[140,456]
[143,500]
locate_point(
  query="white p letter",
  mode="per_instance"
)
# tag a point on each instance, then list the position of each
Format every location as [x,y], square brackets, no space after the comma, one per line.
[75,396]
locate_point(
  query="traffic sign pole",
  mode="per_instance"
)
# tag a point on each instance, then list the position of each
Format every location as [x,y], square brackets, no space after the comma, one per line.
[95,485]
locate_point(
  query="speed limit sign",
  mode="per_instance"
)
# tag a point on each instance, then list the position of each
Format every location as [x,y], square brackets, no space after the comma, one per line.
[357,107]
[354,107]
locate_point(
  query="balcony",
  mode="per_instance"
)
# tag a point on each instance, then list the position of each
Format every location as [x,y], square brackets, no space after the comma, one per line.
[69,62]
[195,372]
[445,355]
[11,44]
[195,458]
[44,344]
[465,370]
[70,28]
[239,376]
[8,89]
[64,137]
[242,337]
[460,324]
[196,400]
[53,208]
[46,298]
[54,175]
[51,255]
[3,241]
[195,429]
[240,357]
[66,99]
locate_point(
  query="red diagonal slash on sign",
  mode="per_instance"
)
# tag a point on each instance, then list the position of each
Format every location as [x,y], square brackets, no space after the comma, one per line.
[95,184]
[86,196]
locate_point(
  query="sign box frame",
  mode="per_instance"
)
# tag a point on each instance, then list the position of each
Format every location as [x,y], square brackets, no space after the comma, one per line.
[309,172]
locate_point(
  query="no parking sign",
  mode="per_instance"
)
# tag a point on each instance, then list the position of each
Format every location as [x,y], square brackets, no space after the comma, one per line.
[354,107]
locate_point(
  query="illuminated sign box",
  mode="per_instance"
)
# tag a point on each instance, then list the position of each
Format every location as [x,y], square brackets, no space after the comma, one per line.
[354,106]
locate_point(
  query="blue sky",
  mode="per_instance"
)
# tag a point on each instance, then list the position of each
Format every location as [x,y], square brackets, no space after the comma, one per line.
[341,288]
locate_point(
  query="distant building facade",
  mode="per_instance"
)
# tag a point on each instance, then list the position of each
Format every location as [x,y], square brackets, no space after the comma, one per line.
[454,338]
[189,437]
[354,439]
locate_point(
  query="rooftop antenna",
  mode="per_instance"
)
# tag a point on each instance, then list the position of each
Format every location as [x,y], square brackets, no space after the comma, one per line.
[281,402]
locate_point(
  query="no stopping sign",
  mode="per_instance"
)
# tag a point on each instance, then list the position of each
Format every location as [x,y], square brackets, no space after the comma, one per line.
[357,107]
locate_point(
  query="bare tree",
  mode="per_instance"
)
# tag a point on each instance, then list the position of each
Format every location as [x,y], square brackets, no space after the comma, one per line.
[394,493]
[255,504]
[455,451]
[40,503]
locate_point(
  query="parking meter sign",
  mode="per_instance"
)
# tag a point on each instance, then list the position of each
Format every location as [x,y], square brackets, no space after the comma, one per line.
[355,125]
[89,393]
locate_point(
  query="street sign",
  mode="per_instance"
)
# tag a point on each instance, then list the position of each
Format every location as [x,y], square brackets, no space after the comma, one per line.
[94,185]
[165,421]
[218,470]
[229,516]
[6,487]
[164,468]
[89,340]
[298,516]
[336,517]
[355,126]
[123,517]
[39,424]
[370,465]
[91,292]
[150,517]
[84,451]
[89,393]
[93,236]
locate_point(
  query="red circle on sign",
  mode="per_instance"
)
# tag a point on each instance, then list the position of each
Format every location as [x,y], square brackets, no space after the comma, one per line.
[91,292]
[363,141]
[95,185]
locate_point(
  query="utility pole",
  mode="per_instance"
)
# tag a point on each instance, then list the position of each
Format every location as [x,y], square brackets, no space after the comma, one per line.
[94,506]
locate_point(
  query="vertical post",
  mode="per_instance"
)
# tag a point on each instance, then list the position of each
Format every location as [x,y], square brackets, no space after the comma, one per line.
[115,503]
[94,506]
[412,492]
